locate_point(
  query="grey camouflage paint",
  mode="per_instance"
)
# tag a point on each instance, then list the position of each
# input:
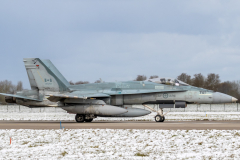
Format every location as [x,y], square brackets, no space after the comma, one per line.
[51,89]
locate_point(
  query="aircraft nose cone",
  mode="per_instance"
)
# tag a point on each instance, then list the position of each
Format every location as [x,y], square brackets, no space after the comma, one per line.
[234,99]
[223,98]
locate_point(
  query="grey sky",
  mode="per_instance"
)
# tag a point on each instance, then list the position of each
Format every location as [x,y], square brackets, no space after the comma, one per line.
[117,40]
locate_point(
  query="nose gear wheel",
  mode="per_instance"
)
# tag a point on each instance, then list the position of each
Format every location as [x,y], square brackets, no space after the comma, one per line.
[159,118]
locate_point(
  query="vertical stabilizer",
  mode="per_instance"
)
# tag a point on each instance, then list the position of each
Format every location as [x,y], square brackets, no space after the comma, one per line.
[43,75]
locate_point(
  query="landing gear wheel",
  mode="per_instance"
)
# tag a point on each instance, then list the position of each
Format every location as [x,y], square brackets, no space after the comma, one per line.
[88,120]
[79,118]
[159,118]
[163,119]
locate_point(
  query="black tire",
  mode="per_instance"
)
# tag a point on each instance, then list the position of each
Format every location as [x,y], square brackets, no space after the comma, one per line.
[158,118]
[79,118]
[88,120]
[163,119]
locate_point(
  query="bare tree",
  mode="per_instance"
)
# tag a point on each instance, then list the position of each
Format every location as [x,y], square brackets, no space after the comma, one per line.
[81,82]
[98,81]
[238,85]
[230,88]
[212,81]
[141,78]
[7,87]
[185,78]
[71,83]
[19,86]
[198,80]
[154,76]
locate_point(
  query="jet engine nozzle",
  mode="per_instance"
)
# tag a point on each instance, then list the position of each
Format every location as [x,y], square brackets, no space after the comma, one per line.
[10,99]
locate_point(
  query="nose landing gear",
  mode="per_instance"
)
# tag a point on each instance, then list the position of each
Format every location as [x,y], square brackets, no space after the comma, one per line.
[159,117]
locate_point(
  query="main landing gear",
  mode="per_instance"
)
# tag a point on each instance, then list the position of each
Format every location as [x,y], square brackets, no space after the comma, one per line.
[80,118]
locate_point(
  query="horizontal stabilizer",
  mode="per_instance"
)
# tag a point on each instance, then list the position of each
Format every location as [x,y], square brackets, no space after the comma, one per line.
[76,95]
[21,97]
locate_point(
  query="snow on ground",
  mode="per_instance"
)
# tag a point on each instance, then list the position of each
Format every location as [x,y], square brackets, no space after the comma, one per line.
[120,144]
[169,116]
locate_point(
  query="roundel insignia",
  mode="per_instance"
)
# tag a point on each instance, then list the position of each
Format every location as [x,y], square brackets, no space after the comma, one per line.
[165,95]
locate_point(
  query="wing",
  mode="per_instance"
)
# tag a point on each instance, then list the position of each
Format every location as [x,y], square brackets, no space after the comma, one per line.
[21,97]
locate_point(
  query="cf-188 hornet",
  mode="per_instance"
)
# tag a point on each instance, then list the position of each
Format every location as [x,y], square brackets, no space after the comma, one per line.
[107,99]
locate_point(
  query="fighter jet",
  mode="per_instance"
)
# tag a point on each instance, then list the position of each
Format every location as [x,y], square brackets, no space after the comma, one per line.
[49,88]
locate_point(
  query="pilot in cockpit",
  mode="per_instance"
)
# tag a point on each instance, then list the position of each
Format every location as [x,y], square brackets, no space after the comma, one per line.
[176,83]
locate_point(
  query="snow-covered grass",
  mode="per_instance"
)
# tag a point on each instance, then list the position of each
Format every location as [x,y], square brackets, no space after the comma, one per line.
[37,116]
[120,144]
[171,116]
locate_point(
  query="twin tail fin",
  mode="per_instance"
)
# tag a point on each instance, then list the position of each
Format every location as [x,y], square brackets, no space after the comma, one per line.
[43,75]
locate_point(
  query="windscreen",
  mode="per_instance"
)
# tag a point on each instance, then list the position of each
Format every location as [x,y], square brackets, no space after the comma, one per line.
[181,83]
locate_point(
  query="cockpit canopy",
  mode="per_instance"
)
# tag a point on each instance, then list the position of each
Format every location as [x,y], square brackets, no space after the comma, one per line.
[168,81]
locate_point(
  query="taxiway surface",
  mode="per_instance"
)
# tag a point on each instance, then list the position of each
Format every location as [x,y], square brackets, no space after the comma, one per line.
[167,125]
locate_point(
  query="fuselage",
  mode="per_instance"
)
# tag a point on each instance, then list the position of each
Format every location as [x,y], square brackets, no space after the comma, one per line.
[143,92]
[140,92]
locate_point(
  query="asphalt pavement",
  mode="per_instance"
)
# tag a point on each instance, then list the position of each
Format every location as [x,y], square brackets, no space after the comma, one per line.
[167,125]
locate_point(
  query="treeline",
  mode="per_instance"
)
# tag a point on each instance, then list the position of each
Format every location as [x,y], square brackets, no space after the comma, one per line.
[83,82]
[212,82]
[8,87]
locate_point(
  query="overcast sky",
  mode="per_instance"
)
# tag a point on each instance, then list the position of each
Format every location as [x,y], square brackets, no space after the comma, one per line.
[117,40]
